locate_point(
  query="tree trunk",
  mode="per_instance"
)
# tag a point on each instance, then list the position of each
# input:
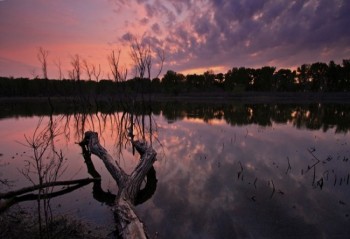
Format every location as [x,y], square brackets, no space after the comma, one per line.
[128,223]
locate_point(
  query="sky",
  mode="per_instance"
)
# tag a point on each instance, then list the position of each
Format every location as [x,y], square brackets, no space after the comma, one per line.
[195,35]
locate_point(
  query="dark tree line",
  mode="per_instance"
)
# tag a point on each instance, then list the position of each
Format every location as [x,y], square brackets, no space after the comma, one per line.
[316,77]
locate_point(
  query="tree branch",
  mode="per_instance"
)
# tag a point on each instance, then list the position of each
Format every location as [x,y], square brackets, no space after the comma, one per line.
[92,143]
[45,185]
[127,222]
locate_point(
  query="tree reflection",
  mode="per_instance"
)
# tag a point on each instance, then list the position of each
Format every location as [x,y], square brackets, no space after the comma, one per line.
[313,116]
[42,169]
[45,166]
[4,182]
[109,198]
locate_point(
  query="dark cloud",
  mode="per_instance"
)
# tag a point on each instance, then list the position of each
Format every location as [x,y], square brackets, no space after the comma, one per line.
[127,37]
[254,33]
[144,21]
[205,34]
[156,28]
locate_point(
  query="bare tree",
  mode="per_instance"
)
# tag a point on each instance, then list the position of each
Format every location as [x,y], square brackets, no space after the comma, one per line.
[34,73]
[45,166]
[88,69]
[161,58]
[142,56]
[75,73]
[59,67]
[119,74]
[96,72]
[42,57]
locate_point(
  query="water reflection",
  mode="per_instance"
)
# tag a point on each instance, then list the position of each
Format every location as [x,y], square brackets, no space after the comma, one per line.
[249,182]
[228,171]
[313,116]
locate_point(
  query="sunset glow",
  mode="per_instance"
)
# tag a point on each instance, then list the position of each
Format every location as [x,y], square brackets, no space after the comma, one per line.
[195,35]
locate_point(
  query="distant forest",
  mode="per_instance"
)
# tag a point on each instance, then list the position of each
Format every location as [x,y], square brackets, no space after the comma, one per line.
[316,77]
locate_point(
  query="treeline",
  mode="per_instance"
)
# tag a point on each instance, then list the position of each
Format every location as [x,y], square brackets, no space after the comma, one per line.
[316,77]
[25,87]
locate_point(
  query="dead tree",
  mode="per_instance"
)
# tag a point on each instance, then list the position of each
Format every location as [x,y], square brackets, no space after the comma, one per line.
[96,72]
[128,224]
[26,194]
[88,69]
[59,68]
[75,73]
[119,75]
[42,57]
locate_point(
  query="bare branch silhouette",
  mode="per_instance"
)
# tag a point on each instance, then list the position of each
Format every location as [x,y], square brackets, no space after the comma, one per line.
[42,57]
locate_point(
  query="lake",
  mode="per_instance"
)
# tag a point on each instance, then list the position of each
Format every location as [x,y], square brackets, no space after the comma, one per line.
[223,170]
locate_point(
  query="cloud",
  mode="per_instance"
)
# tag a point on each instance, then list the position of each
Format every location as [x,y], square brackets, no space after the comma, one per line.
[194,34]
[156,29]
[251,33]
[127,37]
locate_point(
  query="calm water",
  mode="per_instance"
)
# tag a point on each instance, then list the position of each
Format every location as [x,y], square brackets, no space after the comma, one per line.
[230,171]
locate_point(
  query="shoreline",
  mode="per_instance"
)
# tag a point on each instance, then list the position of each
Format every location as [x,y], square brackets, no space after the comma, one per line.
[211,97]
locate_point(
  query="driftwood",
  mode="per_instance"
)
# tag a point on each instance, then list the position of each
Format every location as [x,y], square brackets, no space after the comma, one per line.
[10,198]
[128,223]
[109,198]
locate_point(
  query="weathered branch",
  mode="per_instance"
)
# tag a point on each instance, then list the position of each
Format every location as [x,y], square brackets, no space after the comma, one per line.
[127,222]
[148,156]
[109,198]
[45,185]
[11,198]
[92,143]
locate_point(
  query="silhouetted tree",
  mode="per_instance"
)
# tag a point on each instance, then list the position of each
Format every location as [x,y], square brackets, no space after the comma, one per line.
[334,77]
[173,82]
[284,80]
[239,78]
[75,73]
[42,57]
[88,69]
[209,79]
[96,72]
[346,75]
[194,82]
[119,75]
[303,76]
[263,78]
[59,67]
[318,73]
[219,78]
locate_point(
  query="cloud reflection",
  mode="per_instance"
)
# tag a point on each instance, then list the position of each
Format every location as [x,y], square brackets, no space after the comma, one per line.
[217,180]
[201,193]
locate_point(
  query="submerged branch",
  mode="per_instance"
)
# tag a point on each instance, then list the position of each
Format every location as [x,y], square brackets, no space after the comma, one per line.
[45,185]
[13,197]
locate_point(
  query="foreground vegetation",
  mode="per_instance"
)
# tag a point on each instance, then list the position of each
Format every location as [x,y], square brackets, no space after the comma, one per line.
[19,223]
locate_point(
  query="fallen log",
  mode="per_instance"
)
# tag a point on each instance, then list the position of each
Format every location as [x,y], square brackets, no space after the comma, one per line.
[128,224]
[21,191]
[10,198]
